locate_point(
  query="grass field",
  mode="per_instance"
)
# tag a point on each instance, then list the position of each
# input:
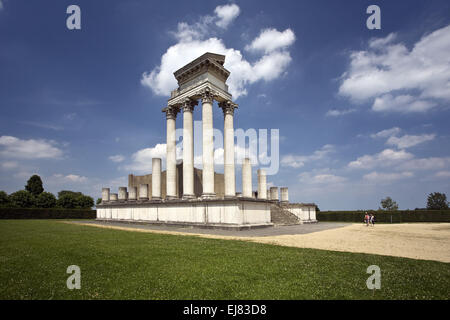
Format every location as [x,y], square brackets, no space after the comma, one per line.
[34,256]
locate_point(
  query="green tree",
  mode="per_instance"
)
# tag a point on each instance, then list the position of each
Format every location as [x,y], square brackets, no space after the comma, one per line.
[389,204]
[67,201]
[22,199]
[72,200]
[46,200]
[67,192]
[4,200]
[437,201]
[99,200]
[34,185]
[85,202]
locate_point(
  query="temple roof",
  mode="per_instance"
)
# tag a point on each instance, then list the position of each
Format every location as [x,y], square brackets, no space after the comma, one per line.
[206,62]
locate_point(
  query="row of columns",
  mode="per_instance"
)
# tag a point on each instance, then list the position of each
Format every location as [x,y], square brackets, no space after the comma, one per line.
[263,192]
[207,98]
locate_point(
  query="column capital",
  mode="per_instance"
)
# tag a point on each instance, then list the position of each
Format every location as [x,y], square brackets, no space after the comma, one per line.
[228,107]
[171,112]
[188,105]
[207,95]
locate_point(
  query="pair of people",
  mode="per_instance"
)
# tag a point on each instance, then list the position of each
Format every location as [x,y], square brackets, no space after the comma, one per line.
[369,219]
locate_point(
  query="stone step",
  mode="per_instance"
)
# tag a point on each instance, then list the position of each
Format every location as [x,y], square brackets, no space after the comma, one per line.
[281,216]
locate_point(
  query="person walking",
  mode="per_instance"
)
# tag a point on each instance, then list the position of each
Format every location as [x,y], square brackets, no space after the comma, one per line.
[366,219]
[372,219]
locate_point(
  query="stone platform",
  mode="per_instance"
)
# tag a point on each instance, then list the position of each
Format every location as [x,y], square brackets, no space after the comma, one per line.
[238,214]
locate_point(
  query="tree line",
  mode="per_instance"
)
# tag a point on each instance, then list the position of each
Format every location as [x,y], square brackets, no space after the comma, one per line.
[34,196]
[435,201]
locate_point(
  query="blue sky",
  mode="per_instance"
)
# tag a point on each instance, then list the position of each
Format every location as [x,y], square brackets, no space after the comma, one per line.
[362,114]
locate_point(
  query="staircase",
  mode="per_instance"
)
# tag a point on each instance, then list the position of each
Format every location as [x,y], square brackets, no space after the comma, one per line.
[281,216]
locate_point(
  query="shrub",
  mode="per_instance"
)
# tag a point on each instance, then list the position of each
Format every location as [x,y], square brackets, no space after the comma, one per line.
[22,199]
[34,185]
[46,200]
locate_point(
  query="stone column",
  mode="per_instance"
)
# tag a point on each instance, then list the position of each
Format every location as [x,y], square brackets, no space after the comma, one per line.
[268,194]
[262,184]
[274,194]
[284,195]
[188,149]
[171,157]
[143,192]
[123,196]
[105,194]
[208,145]
[228,164]
[113,197]
[132,194]
[156,178]
[247,178]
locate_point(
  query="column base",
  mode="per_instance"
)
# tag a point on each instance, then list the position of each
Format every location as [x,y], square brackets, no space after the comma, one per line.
[230,197]
[171,198]
[188,196]
[156,198]
[209,196]
[143,199]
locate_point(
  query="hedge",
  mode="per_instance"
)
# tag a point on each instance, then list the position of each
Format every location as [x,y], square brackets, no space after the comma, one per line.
[44,213]
[387,216]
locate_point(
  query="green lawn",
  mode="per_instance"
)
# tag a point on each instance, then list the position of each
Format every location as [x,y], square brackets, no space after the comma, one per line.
[34,256]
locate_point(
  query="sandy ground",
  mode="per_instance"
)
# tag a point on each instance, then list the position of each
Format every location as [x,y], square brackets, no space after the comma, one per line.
[425,241]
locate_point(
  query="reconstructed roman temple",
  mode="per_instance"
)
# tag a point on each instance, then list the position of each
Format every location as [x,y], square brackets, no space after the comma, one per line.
[186,195]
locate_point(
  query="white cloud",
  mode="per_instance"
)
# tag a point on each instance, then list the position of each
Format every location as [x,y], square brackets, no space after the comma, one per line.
[433,163]
[386,70]
[380,177]
[192,44]
[385,158]
[226,14]
[270,40]
[337,113]
[117,158]
[142,159]
[386,133]
[60,178]
[322,178]
[408,141]
[13,147]
[1,5]
[401,103]
[442,174]
[9,164]
[298,161]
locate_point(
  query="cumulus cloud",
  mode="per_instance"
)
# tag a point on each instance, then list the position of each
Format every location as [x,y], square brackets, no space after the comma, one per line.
[117,158]
[13,147]
[442,174]
[337,113]
[58,178]
[192,43]
[380,177]
[321,178]
[386,70]
[432,163]
[385,158]
[270,40]
[401,103]
[226,14]
[386,133]
[9,165]
[298,161]
[408,141]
